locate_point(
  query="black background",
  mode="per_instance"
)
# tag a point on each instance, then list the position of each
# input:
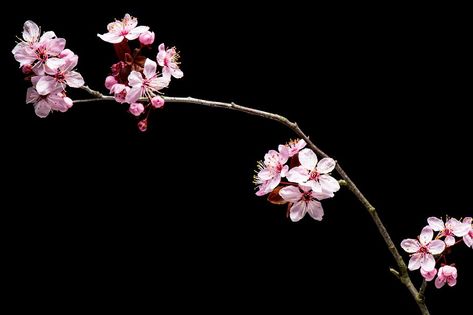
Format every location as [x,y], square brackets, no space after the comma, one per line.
[104,214]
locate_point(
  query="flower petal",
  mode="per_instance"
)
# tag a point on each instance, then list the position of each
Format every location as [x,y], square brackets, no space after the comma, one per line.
[451,281]
[298,175]
[458,228]
[45,85]
[30,31]
[326,165]
[135,79]
[427,262]
[136,32]
[410,245]
[31,95]
[55,46]
[133,95]
[291,193]
[449,240]
[436,247]
[111,38]
[426,235]
[308,159]
[315,185]
[414,262]
[315,210]
[329,183]
[436,224]
[439,283]
[297,211]
[42,109]
[428,275]
[150,68]
[74,79]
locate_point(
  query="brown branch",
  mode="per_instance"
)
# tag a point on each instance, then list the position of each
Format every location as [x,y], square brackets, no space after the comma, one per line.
[402,274]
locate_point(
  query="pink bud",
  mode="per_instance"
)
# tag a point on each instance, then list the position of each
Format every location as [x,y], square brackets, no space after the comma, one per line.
[147,38]
[110,81]
[143,125]
[27,69]
[136,109]
[157,102]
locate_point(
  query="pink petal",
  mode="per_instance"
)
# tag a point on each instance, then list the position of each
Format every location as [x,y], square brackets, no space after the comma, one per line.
[297,211]
[436,224]
[426,235]
[177,73]
[436,247]
[150,68]
[300,144]
[439,283]
[468,240]
[290,193]
[329,183]
[298,174]
[31,95]
[47,37]
[134,94]
[326,165]
[322,195]
[136,32]
[45,85]
[274,182]
[414,262]
[308,159]
[53,64]
[74,79]
[284,170]
[458,228]
[468,220]
[428,275]
[56,46]
[410,245]
[315,210]
[265,174]
[111,38]
[30,31]
[451,281]
[42,109]
[427,262]
[135,79]
[316,187]
[24,56]
[449,240]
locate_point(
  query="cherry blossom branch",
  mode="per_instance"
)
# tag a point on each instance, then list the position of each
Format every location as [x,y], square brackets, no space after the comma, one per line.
[402,274]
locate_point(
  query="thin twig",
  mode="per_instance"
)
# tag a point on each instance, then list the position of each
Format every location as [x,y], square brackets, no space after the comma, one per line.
[402,274]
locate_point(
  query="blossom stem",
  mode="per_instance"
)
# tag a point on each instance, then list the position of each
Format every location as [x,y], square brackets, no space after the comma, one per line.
[402,275]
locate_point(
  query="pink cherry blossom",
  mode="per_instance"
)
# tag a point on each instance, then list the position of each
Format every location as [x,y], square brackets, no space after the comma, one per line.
[450,229]
[447,274]
[40,53]
[146,38]
[61,76]
[126,28]
[136,109]
[147,85]
[423,250]
[292,148]
[428,275]
[157,101]
[44,104]
[468,238]
[120,92]
[270,172]
[168,59]
[304,201]
[314,174]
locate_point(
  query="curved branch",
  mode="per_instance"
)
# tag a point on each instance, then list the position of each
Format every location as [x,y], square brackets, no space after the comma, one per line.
[402,275]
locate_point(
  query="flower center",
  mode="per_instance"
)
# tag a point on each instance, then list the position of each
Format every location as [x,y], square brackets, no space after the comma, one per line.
[423,249]
[307,196]
[60,77]
[314,175]
[41,54]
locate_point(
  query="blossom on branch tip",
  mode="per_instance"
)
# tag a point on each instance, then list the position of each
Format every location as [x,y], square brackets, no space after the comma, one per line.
[447,274]
[126,28]
[146,85]
[314,174]
[450,229]
[168,59]
[423,250]
[304,200]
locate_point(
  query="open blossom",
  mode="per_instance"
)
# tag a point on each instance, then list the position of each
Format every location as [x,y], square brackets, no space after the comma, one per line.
[447,274]
[314,174]
[270,172]
[292,148]
[120,91]
[304,200]
[60,77]
[468,238]
[423,250]
[126,28]
[30,36]
[450,229]
[168,59]
[44,104]
[147,85]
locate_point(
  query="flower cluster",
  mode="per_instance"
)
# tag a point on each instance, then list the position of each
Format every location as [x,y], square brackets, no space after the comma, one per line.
[425,248]
[308,180]
[50,68]
[135,77]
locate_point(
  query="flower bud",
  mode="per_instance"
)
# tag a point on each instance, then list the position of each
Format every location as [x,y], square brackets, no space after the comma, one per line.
[146,38]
